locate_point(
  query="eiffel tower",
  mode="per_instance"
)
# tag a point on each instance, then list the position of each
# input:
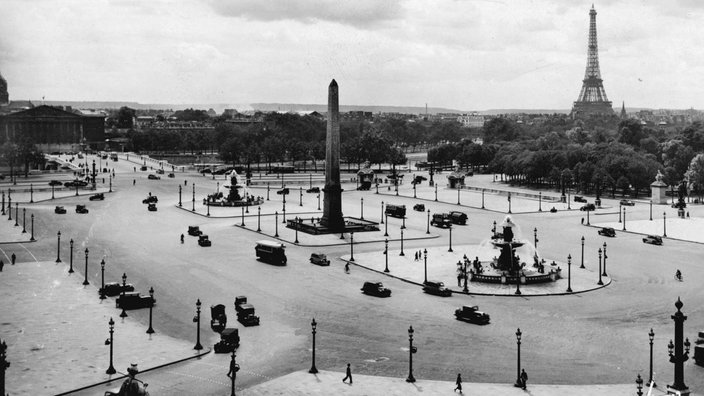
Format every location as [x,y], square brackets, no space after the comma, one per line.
[592,98]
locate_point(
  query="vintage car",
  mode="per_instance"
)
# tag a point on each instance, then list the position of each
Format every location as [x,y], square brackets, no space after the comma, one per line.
[143,168]
[152,176]
[375,289]
[160,171]
[472,314]
[151,207]
[553,210]
[114,288]
[419,207]
[81,209]
[194,231]
[218,319]
[653,240]
[626,202]
[271,252]
[588,207]
[441,220]
[246,316]
[171,175]
[579,198]
[239,300]
[60,210]
[283,191]
[607,231]
[76,183]
[204,241]
[458,218]
[97,197]
[319,259]
[418,179]
[55,183]
[229,341]
[150,199]
[437,288]
[398,211]
[313,190]
[133,300]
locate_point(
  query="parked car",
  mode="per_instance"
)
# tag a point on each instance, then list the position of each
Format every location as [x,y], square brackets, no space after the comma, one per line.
[313,190]
[81,209]
[653,240]
[229,341]
[458,218]
[319,259]
[151,207]
[419,207]
[160,171]
[590,207]
[171,175]
[441,220]
[55,183]
[472,314]
[153,177]
[607,231]
[375,289]
[114,288]
[579,198]
[398,211]
[75,183]
[626,202]
[150,199]
[97,197]
[204,241]
[194,231]
[60,210]
[283,191]
[133,300]
[143,168]
[436,288]
[218,319]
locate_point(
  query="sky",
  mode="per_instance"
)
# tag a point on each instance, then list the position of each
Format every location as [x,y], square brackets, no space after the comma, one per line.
[459,54]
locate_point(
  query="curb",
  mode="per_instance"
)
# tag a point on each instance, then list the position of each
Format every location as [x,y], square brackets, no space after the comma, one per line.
[124,376]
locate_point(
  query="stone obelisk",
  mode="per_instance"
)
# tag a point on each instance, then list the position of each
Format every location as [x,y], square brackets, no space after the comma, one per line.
[332,210]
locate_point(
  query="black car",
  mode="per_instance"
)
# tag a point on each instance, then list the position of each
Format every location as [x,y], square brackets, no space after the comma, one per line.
[471,314]
[313,190]
[458,218]
[607,231]
[150,199]
[579,198]
[218,318]
[283,191]
[204,241]
[55,183]
[76,183]
[133,300]
[437,288]
[653,240]
[419,207]
[229,341]
[143,168]
[114,288]
[171,175]
[81,209]
[60,210]
[627,202]
[194,231]
[97,197]
[375,289]
[151,207]
[152,176]
[588,207]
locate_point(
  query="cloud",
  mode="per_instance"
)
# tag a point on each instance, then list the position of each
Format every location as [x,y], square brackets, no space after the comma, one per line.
[360,13]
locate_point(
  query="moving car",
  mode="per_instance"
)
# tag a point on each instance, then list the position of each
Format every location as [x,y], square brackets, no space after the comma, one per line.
[55,183]
[218,319]
[204,241]
[472,314]
[97,197]
[81,209]
[229,341]
[171,175]
[194,231]
[160,171]
[283,191]
[590,207]
[76,183]
[579,198]
[375,289]
[271,252]
[313,190]
[437,288]
[458,218]
[441,220]
[398,211]
[151,207]
[143,168]
[607,231]
[627,202]
[419,207]
[150,199]
[114,288]
[153,177]
[133,300]
[60,210]
[246,315]
[653,240]
[319,259]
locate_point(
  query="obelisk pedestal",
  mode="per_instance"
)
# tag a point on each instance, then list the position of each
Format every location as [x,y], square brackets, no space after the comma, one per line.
[332,211]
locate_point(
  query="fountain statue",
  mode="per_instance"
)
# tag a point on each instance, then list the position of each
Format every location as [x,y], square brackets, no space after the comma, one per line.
[508,260]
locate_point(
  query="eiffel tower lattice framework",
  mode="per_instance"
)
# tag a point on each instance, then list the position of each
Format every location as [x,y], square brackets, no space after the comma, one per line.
[592,99]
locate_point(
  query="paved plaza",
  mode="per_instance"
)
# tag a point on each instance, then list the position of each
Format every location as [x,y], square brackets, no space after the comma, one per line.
[591,341]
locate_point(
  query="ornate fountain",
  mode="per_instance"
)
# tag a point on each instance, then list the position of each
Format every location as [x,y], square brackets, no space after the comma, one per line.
[232,193]
[508,260]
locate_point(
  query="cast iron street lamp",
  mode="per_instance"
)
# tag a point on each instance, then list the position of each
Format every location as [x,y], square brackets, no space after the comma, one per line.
[300,197]
[32,218]
[70,265]
[427,225]
[509,202]
[436,193]
[677,355]
[4,364]
[386,253]
[540,201]
[449,228]
[464,274]
[664,224]
[242,216]
[569,273]
[31,193]
[651,210]
[351,246]
[102,277]
[458,194]
[235,368]
[624,218]
[17,214]
[267,191]
[651,337]
[382,212]
[58,247]
[605,257]
[414,190]
[276,224]
[402,254]
[111,370]
[600,282]
[361,208]
[150,330]
[582,265]
[519,382]
[493,229]
[318,201]
[123,314]
[179,195]
[259,215]
[411,351]
[386,226]
[3,203]
[482,198]
[196,319]
[24,220]
[193,209]
[639,385]
[9,205]
[588,216]
[535,238]
[313,369]
[52,193]
[619,212]
[425,266]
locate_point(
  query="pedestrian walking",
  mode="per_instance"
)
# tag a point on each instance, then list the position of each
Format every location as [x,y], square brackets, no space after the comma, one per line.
[134,182]
[349,374]
[234,368]
[459,383]
[415,256]
[582,220]
[185,182]
[13,257]
[347,267]
[524,378]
